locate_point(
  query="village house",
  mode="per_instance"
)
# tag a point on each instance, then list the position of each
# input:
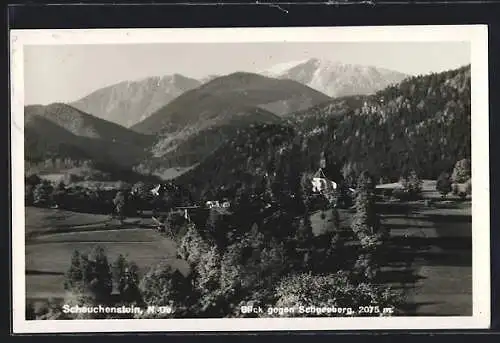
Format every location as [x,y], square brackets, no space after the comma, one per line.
[321,184]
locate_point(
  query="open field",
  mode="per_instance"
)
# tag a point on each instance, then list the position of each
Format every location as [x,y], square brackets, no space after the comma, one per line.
[428,189]
[40,219]
[52,236]
[431,256]
[430,252]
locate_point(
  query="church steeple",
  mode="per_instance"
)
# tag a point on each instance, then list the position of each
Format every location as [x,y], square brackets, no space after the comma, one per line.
[322,161]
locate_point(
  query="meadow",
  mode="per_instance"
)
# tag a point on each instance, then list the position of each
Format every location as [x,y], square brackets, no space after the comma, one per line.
[52,235]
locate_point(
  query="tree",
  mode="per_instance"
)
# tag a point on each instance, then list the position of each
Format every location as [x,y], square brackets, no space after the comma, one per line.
[141,197]
[42,194]
[462,171]
[120,202]
[218,226]
[365,219]
[101,283]
[211,301]
[33,180]
[74,275]
[164,285]
[366,227]
[59,194]
[303,241]
[303,291]
[411,184]
[88,281]
[126,277]
[306,186]
[192,246]
[443,184]
[350,173]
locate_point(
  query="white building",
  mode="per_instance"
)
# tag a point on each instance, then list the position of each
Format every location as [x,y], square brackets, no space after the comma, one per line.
[321,184]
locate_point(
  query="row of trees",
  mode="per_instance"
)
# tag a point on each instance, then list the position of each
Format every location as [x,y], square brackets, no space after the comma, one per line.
[92,280]
[124,200]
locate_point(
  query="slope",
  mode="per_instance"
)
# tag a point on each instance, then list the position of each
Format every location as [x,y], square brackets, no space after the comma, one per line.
[59,131]
[336,79]
[222,98]
[423,123]
[127,103]
[244,160]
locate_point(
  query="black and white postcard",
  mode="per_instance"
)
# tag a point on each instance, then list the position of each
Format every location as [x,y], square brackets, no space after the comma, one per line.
[248,179]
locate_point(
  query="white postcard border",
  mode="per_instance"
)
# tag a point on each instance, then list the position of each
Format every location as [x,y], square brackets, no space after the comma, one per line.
[477,35]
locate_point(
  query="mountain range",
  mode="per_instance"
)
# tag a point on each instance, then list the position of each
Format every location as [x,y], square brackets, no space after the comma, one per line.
[421,124]
[65,136]
[387,132]
[199,121]
[129,102]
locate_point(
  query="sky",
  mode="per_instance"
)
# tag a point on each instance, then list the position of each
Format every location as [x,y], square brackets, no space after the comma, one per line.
[65,73]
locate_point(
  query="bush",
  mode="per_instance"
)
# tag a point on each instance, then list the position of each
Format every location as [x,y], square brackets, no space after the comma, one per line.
[462,171]
[412,184]
[42,194]
[167,286]
[443,184]
[333,290]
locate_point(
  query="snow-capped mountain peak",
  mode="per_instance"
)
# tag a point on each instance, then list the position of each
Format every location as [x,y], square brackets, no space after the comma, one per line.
[335,78]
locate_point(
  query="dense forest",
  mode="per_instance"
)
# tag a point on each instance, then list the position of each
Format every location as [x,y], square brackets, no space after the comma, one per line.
[422,124]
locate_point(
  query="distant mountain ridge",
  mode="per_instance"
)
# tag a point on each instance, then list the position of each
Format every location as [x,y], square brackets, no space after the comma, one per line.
[128,102]
[421,124]
[200,120]
[336,79]
[60,131]
[225,96]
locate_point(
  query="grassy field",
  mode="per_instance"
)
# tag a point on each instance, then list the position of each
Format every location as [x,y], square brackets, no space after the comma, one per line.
[52,236]
[430,250]
[434,242]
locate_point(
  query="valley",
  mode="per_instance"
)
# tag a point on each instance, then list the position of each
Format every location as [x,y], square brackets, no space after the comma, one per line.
[130,168]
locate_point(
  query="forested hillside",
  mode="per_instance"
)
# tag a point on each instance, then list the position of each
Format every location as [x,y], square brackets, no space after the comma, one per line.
[59,137]
[421,124]
[253,158]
